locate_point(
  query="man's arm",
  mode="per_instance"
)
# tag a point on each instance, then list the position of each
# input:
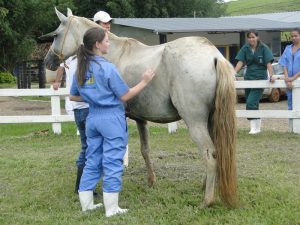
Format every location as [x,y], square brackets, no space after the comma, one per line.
[58,78]
[75,98]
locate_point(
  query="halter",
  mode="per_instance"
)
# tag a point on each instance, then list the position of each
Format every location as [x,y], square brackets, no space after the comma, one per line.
[60,55]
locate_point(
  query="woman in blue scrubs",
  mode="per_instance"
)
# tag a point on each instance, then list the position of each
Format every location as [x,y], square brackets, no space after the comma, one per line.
[98,82]
[290,60]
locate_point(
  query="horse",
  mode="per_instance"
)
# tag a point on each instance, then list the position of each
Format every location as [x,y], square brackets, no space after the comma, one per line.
[193,82]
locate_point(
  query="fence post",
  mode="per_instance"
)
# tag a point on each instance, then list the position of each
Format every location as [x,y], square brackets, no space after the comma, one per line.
[55,108]
[296,107]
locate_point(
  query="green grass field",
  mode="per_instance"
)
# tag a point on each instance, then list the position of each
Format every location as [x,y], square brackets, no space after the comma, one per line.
[243,7]
[38,175]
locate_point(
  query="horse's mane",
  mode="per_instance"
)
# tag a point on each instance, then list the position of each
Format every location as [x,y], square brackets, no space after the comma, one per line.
[91,23]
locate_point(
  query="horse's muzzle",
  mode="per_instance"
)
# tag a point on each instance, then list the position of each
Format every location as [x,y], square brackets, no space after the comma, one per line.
[51,61]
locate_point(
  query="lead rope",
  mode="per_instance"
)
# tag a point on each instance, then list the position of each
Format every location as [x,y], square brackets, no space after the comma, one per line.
[61,56]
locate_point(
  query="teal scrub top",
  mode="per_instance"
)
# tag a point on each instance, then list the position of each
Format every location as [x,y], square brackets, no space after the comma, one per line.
[256,61]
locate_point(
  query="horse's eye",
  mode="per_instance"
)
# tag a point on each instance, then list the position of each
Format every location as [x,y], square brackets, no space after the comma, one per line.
[54,35]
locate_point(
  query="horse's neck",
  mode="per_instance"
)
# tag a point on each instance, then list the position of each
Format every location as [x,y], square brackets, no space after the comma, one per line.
[116,41]
[119,45]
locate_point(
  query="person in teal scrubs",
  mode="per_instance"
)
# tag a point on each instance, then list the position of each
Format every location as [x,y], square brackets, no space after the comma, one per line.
[258,58]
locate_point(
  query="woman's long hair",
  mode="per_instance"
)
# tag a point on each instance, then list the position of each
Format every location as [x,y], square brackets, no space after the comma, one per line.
[85,51]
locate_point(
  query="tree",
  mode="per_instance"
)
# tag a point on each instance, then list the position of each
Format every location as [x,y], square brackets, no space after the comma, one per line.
[151,8]
[21,22]
[116,8]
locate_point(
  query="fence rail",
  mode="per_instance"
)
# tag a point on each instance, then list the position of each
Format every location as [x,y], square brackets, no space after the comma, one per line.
[56,118]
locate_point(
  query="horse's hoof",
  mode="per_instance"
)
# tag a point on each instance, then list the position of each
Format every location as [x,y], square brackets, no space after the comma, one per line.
[151,180]
[207,204]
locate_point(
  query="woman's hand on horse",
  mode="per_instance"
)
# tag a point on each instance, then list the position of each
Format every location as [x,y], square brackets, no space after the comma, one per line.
[148,75]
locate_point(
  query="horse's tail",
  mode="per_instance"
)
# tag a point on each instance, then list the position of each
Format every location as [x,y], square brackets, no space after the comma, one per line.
[224,132]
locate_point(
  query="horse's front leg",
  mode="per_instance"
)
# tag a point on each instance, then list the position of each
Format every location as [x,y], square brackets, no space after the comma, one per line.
[145,149]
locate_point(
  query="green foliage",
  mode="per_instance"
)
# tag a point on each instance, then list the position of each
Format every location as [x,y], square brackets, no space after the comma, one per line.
[122,8]
[38,174]
[7,78]
[179,8]
[21,23]
[151,8]
[244,7]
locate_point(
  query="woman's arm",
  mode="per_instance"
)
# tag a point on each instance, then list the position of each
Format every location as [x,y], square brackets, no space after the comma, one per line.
[270,70]
[75,98]
[238,66]
[147,77]
[294,77]
[287,79]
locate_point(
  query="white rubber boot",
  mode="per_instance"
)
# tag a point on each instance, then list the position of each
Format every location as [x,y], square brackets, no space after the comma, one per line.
[125,158]
[172,127]
[87,201]
[111,204]
[252,127]
[258,125]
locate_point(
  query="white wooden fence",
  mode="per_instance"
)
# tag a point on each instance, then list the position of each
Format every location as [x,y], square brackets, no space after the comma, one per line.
[56,118]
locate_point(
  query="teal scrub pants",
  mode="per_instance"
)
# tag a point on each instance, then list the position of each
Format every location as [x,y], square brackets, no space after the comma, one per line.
[253,96]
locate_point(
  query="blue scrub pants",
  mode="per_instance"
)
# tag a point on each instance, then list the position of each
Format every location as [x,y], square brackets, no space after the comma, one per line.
[107,139]
[80,116]
[289,95]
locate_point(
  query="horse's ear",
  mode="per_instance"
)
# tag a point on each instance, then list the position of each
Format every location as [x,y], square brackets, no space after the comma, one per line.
[47,36]
[60,16]
[69,13]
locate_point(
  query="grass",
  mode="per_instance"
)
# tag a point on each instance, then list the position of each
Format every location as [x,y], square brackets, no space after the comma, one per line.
[244,7]
[8,85]
[38,175]
[36,98]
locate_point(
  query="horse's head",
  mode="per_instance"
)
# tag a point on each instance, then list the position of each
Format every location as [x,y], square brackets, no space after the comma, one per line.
[66,39]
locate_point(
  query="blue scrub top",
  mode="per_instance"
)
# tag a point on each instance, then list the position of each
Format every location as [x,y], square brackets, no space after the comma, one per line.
[103,86]
[290,61]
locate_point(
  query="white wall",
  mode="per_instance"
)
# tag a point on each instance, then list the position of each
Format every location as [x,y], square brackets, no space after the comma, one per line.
[150,38]
[272,39]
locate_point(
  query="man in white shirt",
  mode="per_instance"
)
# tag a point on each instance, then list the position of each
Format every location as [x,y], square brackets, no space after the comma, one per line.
[79,109]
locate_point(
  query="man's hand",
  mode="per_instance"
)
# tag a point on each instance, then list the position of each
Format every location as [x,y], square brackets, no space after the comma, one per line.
[56,85]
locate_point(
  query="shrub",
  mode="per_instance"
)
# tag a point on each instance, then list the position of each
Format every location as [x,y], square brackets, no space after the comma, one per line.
[6,77]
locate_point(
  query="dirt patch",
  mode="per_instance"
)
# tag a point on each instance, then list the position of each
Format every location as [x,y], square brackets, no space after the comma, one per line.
[11,106]
[15,106]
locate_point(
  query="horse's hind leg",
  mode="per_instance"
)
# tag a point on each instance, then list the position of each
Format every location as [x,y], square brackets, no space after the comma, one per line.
[202,138]
[145,149]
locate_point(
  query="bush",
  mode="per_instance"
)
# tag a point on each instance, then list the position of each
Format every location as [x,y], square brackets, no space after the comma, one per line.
[7,78]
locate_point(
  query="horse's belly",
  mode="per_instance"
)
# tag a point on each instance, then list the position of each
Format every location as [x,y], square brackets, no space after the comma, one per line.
[152,108]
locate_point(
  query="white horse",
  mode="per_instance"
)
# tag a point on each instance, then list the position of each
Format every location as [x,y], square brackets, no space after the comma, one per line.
[194,82]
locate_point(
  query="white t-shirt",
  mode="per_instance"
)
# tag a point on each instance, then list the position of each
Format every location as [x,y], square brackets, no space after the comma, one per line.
[71,62]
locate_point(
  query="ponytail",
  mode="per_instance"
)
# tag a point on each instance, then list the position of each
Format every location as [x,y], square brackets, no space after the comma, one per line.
[85,51]
[83,58]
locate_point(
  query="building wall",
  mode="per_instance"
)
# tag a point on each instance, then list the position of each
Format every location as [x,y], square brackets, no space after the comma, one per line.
[228,43]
